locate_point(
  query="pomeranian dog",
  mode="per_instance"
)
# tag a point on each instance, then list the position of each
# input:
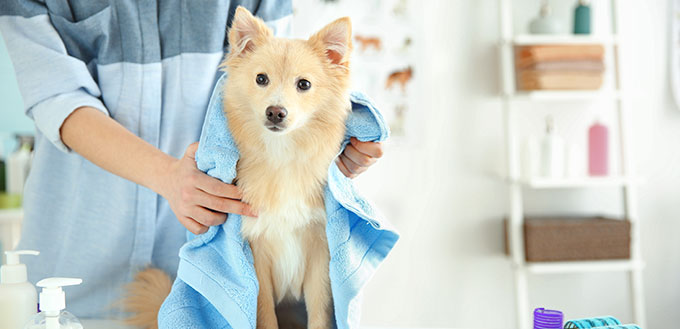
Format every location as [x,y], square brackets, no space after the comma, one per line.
[286,102]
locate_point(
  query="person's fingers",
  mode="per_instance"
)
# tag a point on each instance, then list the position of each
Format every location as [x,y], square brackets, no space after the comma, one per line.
[343,169]
[191,150]
[224,205]
[216,187]
[353,168]
[207,217]
[357,157]
[372,149]
[192,225]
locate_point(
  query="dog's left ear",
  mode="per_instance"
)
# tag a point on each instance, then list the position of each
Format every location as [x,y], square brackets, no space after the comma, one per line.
[246,33]
[335,39]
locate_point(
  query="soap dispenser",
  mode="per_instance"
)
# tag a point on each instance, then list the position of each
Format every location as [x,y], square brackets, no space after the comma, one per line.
[52,304]
[18,298]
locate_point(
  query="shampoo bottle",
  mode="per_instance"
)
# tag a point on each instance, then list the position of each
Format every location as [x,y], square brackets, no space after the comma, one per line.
[18,165]
[52,304]
[582,18]
[598,150]
[18,298]
[552,152]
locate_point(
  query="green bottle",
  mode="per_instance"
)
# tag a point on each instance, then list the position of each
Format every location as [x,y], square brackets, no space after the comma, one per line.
[582,18]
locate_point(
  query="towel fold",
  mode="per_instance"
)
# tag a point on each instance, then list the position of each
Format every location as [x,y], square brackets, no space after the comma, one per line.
[216,285]
[529,55]
[559,80]
[578,66]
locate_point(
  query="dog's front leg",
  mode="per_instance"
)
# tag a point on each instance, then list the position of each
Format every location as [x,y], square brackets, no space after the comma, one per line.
[266,306]
[317,286]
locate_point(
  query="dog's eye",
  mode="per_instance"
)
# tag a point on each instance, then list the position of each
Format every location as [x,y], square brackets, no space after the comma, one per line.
[304,84]
[262,79]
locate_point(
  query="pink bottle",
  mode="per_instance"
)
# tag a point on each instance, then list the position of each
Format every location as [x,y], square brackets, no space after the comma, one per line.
[598,150]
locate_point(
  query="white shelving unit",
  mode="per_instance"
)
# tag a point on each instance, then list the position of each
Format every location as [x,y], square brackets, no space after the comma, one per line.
[626,181]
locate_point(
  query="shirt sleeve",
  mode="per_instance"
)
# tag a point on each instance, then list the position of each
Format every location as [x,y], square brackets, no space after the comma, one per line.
[277,14]
[52,83]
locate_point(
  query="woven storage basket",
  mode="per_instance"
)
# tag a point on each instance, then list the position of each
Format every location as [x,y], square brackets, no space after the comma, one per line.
[575,238]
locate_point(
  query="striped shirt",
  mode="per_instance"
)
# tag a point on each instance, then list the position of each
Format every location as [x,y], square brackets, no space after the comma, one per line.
[148,64]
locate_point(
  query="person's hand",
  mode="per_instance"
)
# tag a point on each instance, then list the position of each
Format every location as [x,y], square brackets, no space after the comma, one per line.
[198,200]
[358,156]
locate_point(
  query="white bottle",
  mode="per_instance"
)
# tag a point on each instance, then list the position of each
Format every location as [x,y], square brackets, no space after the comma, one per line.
[18,298]
[18,165]
[552,152]
[52,304]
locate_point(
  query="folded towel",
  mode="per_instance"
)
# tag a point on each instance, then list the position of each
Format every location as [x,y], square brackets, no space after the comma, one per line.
[595,322]
[530,55]
[587,66]
[216,285]
[559,80]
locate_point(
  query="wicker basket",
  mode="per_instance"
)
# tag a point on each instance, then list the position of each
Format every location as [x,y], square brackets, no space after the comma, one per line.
[575,238]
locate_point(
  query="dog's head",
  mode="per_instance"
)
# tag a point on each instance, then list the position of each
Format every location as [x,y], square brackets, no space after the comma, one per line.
[280,85]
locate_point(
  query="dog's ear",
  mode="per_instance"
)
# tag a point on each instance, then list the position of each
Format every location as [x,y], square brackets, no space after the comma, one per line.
[335,39]
[246,32]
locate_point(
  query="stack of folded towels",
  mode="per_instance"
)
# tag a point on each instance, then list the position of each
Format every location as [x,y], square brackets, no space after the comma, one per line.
[559,67]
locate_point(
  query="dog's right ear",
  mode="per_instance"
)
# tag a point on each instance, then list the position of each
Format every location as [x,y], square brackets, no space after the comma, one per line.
[246,32]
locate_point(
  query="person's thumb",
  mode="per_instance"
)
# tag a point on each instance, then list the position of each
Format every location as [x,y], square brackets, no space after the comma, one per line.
[191,150]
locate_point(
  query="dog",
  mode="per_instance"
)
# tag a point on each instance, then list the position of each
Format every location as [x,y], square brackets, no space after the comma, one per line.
[401,77]
[366,42]
[286,102]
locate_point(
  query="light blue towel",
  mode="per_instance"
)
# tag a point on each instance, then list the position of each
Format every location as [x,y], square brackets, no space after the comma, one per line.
[216,285]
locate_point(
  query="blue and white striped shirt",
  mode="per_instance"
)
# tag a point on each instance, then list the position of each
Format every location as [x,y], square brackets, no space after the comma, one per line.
[148,64]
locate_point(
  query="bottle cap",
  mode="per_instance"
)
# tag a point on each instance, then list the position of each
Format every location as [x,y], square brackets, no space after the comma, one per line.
[52,297]
[13,271]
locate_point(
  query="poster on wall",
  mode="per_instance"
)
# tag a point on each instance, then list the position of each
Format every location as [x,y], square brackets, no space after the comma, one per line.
[383,57]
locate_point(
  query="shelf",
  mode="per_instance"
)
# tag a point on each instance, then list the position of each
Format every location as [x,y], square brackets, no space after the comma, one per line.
[560,39]
[566,95]
[11,215]
[580,182]
[583,266]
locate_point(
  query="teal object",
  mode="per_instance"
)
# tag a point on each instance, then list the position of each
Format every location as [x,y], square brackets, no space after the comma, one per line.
[582,18]
[596,322]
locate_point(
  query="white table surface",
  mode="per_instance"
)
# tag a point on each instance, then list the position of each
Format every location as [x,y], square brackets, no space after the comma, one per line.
[108,324]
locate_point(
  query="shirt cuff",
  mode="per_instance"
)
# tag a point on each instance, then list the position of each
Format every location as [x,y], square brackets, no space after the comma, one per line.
[50,114]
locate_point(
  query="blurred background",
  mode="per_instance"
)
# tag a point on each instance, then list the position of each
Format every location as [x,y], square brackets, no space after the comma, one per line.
[503,113]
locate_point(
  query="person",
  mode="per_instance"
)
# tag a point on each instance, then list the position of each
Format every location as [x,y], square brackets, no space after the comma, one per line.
[118,91]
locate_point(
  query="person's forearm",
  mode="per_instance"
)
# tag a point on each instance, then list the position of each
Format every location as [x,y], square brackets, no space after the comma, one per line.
[106,143]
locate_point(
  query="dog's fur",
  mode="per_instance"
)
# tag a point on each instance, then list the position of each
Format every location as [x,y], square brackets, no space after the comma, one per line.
[282,170]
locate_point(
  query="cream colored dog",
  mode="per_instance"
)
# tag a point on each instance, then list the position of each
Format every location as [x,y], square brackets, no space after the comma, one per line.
[286,102]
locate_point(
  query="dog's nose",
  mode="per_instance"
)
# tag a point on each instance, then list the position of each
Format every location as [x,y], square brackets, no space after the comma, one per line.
[276,114]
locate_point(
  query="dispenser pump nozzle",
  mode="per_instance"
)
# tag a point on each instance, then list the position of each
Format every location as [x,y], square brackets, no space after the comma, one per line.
[52,297]
[14,271]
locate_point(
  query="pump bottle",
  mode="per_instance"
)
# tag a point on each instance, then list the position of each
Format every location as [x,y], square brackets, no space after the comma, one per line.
[52,304]
[18,298]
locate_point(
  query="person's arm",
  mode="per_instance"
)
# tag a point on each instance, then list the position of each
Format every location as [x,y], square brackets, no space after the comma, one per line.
[197,199]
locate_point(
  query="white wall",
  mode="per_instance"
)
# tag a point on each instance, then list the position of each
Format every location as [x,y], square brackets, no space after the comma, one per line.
[448,269]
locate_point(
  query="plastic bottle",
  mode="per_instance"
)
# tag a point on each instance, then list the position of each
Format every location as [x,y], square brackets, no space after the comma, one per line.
[545,23]
[598,150]
[582,18]
[52,304]
[18,165]
[552,152]
[18,298]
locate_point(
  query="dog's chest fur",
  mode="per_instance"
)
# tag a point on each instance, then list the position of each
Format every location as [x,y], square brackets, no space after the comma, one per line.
[287,189]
